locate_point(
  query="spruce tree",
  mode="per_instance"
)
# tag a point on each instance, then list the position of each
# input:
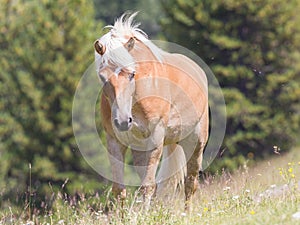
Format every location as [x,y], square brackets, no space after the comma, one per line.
[45,48]
[253,49]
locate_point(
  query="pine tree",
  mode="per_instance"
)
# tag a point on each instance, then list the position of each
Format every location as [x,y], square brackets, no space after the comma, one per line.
[45,48]
[108,11]
[253,49]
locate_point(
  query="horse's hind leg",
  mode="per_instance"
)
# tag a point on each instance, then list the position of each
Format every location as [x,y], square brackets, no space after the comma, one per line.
[193,146]
[193,151]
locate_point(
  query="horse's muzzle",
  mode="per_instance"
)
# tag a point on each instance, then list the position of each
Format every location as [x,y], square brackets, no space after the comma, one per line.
[124,125]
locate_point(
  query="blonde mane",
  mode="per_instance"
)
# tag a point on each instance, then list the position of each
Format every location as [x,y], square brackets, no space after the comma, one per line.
[124,28]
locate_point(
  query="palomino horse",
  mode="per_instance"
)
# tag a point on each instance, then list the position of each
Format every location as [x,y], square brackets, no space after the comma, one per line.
[154,102]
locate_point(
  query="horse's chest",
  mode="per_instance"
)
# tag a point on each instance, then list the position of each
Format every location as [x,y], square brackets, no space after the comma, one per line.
[143,135]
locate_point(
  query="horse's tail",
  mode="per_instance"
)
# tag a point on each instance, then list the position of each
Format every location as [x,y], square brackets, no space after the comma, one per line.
[170,177]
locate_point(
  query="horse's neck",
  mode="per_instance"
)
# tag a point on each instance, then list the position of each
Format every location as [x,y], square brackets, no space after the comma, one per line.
[147,80]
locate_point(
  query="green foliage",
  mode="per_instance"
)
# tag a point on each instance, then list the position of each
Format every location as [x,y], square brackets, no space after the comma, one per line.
[45,48]
[108,11]
[253,49]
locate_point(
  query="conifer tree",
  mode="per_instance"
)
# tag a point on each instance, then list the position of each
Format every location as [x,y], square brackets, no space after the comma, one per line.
[253,49]
[45,48]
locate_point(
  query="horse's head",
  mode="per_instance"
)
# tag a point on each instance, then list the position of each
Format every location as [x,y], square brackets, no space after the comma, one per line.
[118,55]
[116,70]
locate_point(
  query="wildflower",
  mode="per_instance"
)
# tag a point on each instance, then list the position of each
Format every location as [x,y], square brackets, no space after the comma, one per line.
[296,215]
[226,189]
[261,195]
[139,199]
[61,222]
[276,149]
[273,186]
[235,197]
[290,170]
[183,214]
[205,209]
[252,212]
[29,223]
[247,191]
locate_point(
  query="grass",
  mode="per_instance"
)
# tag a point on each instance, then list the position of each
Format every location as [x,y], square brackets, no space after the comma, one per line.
[267,193]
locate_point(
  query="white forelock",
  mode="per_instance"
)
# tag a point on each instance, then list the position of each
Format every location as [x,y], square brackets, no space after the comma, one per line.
[116,54]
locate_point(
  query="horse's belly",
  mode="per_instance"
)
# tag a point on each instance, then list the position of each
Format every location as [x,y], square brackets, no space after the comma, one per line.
[180,124]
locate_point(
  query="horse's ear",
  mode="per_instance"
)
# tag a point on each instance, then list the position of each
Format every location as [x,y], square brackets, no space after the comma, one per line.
[100,48]
[130,44]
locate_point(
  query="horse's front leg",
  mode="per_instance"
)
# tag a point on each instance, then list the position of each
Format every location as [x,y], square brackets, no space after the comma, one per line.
[116,157]
[146,163]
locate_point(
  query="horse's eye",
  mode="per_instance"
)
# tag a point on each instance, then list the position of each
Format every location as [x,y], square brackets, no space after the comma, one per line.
[131,76]
[102,78]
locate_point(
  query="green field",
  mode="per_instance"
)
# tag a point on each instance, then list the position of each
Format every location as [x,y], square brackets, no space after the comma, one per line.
[266,193]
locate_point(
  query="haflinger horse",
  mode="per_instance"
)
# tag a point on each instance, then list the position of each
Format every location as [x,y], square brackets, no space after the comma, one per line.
[156,104]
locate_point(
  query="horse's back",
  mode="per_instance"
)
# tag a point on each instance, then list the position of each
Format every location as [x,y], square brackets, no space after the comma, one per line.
[189,79]
[189,68]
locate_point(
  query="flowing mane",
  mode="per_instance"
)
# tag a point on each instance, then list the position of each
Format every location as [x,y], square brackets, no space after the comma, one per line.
[124,28]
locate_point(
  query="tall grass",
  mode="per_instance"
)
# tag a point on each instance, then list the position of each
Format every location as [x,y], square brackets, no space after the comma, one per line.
[267,193]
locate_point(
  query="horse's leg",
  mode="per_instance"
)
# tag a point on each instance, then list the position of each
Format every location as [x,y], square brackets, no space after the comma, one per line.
[116,157]
[146,163]
[193,151]
[193,146]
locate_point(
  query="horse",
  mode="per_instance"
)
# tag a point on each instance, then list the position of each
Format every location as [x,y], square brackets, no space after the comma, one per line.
[156,104]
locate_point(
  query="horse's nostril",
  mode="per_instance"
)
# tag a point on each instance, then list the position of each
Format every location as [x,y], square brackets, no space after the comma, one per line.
[116,122]
[124,125]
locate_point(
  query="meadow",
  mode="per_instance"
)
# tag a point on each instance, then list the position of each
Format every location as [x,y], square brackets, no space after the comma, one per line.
[265,193]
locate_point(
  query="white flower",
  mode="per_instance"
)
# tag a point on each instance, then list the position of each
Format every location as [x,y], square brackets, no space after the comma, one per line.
[139,200]
[226,189]
[235,197]
[296,215]
[29,223]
